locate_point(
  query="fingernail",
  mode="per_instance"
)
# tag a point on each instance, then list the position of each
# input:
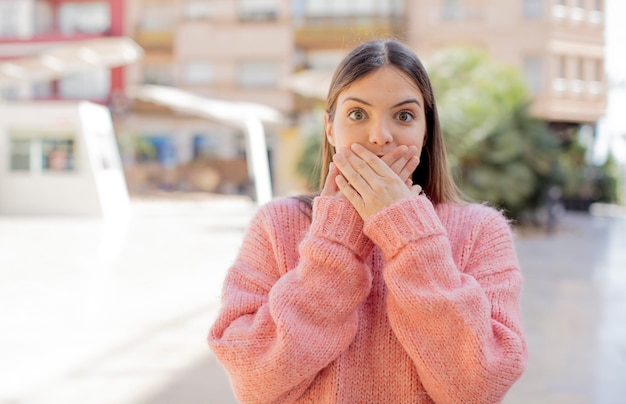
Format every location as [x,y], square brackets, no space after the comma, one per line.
[338,157]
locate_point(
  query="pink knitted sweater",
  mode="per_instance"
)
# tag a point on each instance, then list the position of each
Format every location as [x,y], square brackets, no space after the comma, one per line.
[420,304]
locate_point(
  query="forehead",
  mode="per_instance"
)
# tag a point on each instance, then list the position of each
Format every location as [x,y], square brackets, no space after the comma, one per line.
[387,81]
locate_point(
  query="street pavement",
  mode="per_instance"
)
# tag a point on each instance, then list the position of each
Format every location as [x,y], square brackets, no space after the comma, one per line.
[117,312]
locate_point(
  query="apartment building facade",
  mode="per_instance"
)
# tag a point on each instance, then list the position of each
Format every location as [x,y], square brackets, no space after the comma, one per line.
[222,49]
[557,44]
[243,50]
[29,27]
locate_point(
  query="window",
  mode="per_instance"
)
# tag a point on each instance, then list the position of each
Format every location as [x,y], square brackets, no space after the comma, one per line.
[9,93]
[158,73]
[198,72]
[598,70]
[159,148]
[533,9]
[595,14]
[578,84]
[198,9]
[94,85]
[452,10]
[20,154]
[533,74]
[158,17]
[36,152]
[559,9]
[580,69]
[13,18]
[42,90]
[206,145]
[258,74]
[57,155]
[324,59]
[348,8]
[44,17]
[562,67]
[559,83]
[598,5]
[258,10]
[595,85]
[578,12]
[87,18]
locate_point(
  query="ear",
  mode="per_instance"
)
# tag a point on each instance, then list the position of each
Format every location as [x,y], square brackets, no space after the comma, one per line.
[328,129]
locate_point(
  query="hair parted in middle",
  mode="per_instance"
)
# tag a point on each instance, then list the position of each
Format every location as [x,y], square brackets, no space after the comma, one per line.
[433,173]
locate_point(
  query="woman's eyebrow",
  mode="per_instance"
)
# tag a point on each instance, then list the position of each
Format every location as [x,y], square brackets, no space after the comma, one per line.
[409,101]
[357,100]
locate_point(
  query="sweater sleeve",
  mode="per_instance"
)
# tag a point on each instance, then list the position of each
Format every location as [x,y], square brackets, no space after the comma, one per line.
[280,326]
[460,326]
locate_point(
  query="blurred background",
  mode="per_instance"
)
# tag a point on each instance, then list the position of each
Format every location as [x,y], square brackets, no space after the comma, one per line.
[137,138]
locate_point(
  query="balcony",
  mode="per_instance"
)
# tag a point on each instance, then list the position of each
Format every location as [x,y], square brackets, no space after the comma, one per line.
[571,101]
[336,32]
[156,41]
[56,21]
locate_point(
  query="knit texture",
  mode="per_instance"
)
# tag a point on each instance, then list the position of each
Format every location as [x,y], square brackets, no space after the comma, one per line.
[420,304]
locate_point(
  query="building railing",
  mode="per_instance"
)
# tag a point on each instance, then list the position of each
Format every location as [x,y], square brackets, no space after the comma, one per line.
[51,37]
[347,20]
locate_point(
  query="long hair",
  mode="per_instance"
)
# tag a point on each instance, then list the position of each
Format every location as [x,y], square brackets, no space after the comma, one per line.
[433,173]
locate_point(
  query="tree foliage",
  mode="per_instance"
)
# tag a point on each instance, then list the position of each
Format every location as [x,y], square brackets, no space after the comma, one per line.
[498,152]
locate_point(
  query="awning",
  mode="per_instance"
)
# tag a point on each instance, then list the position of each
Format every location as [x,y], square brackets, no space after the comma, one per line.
[70,58]
[311,83]
[247,116]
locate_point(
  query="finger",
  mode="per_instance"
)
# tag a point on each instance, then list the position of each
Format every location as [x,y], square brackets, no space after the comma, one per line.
[411,163]
[408,183]
[371,160]
[391,158]
[416,189]
[349,192]
[353,169]
[397,158]
[330,187]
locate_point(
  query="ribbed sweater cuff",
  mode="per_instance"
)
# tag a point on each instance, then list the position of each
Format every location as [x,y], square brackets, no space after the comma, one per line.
[407,220]
[336,219]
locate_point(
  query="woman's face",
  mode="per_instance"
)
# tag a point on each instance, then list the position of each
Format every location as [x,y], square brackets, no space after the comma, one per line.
[380,111]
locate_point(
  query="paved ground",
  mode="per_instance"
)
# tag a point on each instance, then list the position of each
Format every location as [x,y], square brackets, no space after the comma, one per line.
[94,312]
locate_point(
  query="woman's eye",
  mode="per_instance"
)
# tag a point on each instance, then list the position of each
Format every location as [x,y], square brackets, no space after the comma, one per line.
[405,116]
[356,115]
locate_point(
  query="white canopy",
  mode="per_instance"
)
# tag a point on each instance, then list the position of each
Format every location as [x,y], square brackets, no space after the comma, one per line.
[247,116]
[70,58]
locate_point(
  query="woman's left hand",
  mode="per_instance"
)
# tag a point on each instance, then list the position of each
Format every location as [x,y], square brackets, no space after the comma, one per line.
[368,182]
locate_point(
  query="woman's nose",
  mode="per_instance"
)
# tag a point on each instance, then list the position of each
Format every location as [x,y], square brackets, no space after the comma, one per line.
[380,134]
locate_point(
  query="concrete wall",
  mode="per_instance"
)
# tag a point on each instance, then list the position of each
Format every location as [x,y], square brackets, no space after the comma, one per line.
[93,186]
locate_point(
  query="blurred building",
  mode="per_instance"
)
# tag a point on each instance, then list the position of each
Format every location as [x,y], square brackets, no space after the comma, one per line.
[29,27]
[222,49]
[557,44]
[281,53]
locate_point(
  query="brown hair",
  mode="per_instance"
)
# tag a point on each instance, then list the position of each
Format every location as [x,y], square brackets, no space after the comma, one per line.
[433,173]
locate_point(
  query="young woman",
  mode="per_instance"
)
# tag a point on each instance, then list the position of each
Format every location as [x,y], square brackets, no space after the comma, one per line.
[386,287]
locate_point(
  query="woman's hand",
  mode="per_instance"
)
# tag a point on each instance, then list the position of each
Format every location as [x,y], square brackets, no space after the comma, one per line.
[330,186]
[371,183]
